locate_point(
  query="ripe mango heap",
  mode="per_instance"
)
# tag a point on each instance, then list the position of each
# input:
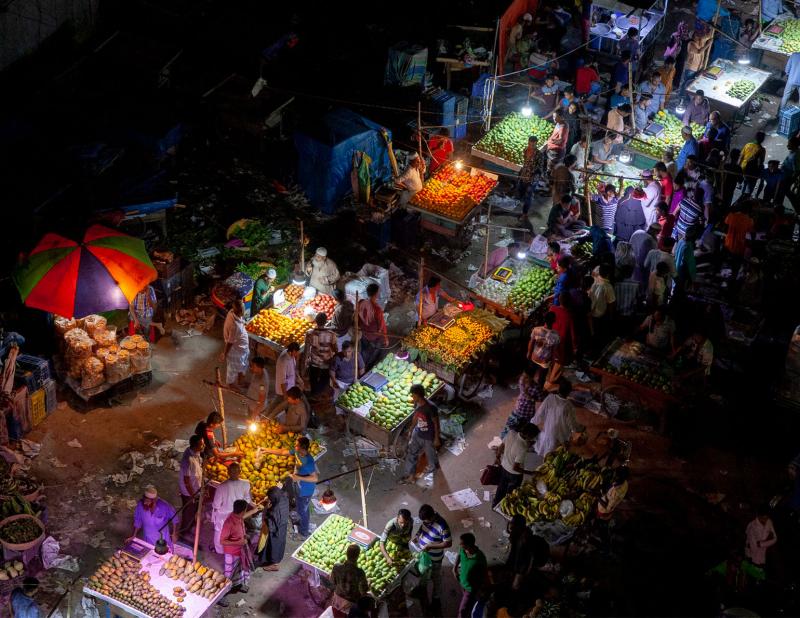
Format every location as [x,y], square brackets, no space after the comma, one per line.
[509,138]
[534,285]
[655,146]
[327,546]
[453,193]
[456,346]
[790,37]
[392,403]
[566,475]
[263,471]
[281,329]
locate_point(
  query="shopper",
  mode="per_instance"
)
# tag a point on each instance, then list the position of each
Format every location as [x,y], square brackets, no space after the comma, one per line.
[751,162]
[275,525]
[530,393]
[685,263]
[620,73]
[236,547]
[716,136]
[142,311]
[556,420]
[305,475]
[21,601]
[528,175]
[397,531]
[237,345]
[739,226]
[606,207]
[527,553]
[697,51]
[690,213]
[556,145]
[511,455]
[627,291]
[667,78]
[759,536]
[616,121]
[641,113]
[603,301]
[662,254]
[154,518]
[226,494]
[190,481]
[343,369]
[470,572]
[433,537]
[564,325]
[679,184]
[342,320]
[349,582]
[668,158]
[258,388]
[614,495]
[425,436]
[320,347]
[542,345]
[792,70]
[629,216]
[657,91]
[296,412]
[657,286]
[690,147]
[642,243]
[372,325]
[562,178]
[429,296]
[665,180]
[666,222]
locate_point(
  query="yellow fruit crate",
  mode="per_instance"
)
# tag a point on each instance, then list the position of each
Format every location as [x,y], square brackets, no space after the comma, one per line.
[36,407]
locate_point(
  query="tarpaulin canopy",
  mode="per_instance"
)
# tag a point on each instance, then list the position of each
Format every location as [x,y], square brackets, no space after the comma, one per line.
[326,156]
[515,10]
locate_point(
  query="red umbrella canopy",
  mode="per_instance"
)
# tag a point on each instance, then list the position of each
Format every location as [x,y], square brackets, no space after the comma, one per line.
[103,272]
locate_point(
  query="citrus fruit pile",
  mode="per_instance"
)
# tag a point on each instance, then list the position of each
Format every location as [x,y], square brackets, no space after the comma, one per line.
[281,329]
[790,37]
[328,544]
[741,89]
[453,347]
[453,193]
[509,138]
[262,470]
[293,292]
[531,288]
[655,146]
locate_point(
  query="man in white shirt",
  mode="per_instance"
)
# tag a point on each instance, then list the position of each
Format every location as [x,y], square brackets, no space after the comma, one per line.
[511,457]
[258,388]
[411,179]
[658,255]
[652,192]
[189,481]
[225,495]
[286,374]
[556,419]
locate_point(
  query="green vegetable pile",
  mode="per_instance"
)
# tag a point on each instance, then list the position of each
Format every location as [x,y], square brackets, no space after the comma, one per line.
[741,89]
[531,288]
[655,146]
[20,531]
[509,138]
[790,38]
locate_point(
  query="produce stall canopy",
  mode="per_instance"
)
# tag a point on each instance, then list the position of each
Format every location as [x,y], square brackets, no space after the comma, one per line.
[326,152]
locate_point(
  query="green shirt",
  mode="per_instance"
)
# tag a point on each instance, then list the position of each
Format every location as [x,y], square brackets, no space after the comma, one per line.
[261,289]
[471,570]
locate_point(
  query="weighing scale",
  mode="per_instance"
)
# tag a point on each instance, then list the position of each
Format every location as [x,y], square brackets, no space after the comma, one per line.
[654,129]
[361,536]
[775,30]
[440,320]
[713,72]
[135,549]
[374,380]
[503,274]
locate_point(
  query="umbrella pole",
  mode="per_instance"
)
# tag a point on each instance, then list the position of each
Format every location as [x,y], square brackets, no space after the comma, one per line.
[486,245]
[302,249]
[355,334]
[221,401]
[421,289]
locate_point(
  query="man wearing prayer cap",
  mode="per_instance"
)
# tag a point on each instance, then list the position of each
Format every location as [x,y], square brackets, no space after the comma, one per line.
[151,515]
[323,271]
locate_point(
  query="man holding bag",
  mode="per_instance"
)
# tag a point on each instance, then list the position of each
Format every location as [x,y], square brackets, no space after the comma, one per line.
[433,537]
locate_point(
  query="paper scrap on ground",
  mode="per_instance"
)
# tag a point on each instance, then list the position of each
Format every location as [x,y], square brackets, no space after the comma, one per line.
[487,495]
[457,446]
[464,499]
[74,443]
[495,443]
[467,523]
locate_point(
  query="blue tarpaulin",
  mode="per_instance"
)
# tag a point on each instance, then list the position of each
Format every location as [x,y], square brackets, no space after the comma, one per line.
[326,156]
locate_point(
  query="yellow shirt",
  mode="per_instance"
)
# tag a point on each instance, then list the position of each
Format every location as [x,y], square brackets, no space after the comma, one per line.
[749,150]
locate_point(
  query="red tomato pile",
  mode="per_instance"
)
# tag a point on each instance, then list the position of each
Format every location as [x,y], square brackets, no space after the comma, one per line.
[453,193]
[323,303]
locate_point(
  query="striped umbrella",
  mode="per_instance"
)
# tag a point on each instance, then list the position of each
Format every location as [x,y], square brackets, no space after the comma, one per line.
[103,272]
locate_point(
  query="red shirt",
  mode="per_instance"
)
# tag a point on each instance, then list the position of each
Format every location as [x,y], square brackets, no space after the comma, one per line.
[667,188]
[233,530]
[558,138]
[667,223]
[584,77]
[441,148]
[565,327]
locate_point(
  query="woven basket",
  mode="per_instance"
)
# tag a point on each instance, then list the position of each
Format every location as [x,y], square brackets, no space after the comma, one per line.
[22,546]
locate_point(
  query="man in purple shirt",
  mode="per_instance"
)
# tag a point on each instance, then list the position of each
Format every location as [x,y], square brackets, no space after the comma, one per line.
[698,109]
[151,514]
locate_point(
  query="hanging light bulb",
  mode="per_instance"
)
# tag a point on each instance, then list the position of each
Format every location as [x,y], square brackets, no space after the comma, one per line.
[743,57]
[526,111]
[521,255]
[459,164]
[253,427]
[625,157]
[681,108]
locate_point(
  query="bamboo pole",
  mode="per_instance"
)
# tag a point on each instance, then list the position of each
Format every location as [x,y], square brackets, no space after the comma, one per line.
[355,334]
[486,244]
[421,289]
[198,517]
[714,24]
[221,402]
[632,95]
[587,198]
[302,249]
[419,129]
[361,486]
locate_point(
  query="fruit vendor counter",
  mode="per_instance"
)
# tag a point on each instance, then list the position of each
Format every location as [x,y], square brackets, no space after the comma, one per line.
[138,582]
[729,83]
[274,329]
[650,377]
[450,347]
[327,546]
[451,198]
[379,406]
[564,490]
[606,174]
[504,145]
[515,289]
[778,40]
[652,142]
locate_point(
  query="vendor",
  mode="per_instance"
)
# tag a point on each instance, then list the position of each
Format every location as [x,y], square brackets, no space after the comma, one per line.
[441,147]
[323,271]
[343,369]
[212,448]
[397,531]
[342,320]
[237,345]
[296,412]
[641,113]
[411,180]
[263,291]
[151,515]
[259,387]
[699,351]
[604,151]
[430,298]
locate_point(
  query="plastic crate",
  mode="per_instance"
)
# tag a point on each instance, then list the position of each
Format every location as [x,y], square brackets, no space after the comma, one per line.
[789,121]
[50,401]
[37,409]
[32,371]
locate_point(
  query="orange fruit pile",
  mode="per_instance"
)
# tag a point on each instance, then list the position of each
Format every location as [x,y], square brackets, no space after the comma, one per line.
[281,329]
[453,193]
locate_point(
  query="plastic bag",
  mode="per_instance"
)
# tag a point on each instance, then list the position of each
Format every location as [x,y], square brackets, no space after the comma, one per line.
[423,563]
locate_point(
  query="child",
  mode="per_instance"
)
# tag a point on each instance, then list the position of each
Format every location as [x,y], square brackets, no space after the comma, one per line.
[547,95]
[657,286]
[770,181]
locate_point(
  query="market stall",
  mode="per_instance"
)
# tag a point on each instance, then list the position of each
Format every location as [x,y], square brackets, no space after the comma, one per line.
[504,145]
[610,21]
[779,39]
[452,340]
[664,131]
[328,544]
[237,286]
[379,406]
[515,289]
[730,85]
[22,521]
[139,582]
[451,198]
[647,375]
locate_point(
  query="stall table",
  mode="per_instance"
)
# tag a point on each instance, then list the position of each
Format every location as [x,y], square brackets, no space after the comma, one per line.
[604,37]
[196,606]
[504,145]
[496,304]
[769,44]
[729,72]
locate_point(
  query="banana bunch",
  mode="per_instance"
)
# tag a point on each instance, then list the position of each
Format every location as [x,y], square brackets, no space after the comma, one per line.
[588,479]
[574,520]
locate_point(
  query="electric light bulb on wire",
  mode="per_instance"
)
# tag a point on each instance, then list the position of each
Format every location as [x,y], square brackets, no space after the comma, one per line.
[526,111]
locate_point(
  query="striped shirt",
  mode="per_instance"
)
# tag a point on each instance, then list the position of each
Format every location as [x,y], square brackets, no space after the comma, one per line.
[626,292]
[321,346]
[144,303]
[605,211]
[436,531]
[690,213]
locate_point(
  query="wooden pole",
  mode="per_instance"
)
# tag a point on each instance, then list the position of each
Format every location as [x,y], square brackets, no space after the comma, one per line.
[419,129]
[221,402]
[497,62]
[586,196]
[632,95]
[198,517]
[361,486]
[302,249]
[355,334]
[486,244]
[711,44]
[421,289]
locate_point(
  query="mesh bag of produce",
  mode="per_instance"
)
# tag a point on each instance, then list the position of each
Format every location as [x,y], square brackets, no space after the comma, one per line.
[92,373]
[92,323]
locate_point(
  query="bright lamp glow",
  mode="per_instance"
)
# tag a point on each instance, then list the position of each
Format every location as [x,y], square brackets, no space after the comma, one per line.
[743,59]
[526,111]
[521,255]
[253,427]
[298,281]
[680,109]
[624,157]
[401,355]
[459,165]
